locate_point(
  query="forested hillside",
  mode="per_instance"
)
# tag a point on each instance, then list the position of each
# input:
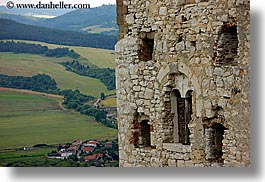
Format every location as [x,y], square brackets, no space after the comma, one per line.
[40,82]
[22,47]
[106,75]
[100,20]
[72,99]
[103,17]
[10,29]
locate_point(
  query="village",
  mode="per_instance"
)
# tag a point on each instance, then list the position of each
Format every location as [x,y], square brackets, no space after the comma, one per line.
[93,152]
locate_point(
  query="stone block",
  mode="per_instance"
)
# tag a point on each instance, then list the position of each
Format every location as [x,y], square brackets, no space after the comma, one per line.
[123,155]
[218,71]
[180,2]
[163,11]
[180,163]
[136,88]
[176,147]
[172,163]
[130,18]
[140,109]
[149,93]
[188,163]
[179,156]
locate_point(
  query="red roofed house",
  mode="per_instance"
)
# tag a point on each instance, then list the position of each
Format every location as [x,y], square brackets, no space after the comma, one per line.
[77,143]
[88,149]
[72,149]
[90,157]
[93,157]
[91,144]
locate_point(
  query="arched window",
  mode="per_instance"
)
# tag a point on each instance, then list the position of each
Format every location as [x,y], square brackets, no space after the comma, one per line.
[182,109]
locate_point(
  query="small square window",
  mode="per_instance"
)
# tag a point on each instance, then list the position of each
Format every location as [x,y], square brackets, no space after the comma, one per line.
[146,49]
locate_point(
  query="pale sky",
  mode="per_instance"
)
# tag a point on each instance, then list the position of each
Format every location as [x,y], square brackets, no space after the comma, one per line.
[93,3]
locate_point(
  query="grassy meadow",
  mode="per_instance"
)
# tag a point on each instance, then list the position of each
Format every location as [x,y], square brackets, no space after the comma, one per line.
[28,65]
[102,58]
[27,119]
[11,156]
[109,102]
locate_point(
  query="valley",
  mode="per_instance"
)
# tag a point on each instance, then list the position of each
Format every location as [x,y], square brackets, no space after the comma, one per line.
[28,65]
[35,123]
[29,119]
[100,20]
[101,58]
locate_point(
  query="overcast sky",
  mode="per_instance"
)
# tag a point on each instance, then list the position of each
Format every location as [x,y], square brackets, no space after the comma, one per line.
[93,3]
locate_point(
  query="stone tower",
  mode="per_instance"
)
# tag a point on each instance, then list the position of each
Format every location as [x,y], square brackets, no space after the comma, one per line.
[183,83]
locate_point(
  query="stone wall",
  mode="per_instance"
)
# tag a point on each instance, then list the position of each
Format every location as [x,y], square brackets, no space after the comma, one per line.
[199,49]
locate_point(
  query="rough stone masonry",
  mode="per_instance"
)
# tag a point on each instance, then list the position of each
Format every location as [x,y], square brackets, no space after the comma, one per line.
[182,70]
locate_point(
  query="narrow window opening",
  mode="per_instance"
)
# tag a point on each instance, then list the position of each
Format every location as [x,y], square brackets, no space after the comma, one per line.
[146,49]
[144,139]
[227,45]
[182,109]
[141,133]
[214,142]
[135,134]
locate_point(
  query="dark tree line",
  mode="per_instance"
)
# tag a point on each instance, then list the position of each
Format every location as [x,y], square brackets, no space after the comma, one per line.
[22,47]
[106,75]
[78,102]
[10,29]
[40,82]
[72,99]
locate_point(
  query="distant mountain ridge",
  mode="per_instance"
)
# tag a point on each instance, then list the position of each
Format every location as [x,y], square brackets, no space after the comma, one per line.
[95,20]
[104,16]
[10,29]
[25,11]
[20,18]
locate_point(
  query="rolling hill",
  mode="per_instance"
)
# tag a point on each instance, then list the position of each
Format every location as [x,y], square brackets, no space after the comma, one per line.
[28,65]
[95,20]
[28,118]
[30,11]
[103,17]
[20,18]
[101,58]
[10,29]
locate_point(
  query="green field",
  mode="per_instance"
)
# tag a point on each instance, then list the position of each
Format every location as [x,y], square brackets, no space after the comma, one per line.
[20,155]
[27,119]
[28,65]
[109,102]
[102,58]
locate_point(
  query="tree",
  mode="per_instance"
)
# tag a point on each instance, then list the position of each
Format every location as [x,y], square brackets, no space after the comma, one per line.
[102,96]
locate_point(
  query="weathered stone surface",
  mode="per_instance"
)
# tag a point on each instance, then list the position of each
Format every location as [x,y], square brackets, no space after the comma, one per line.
[163,11]
[172,163]
[180,163]
[149,93]
[176,147]
[130,18]
[188,163]
[199,51]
